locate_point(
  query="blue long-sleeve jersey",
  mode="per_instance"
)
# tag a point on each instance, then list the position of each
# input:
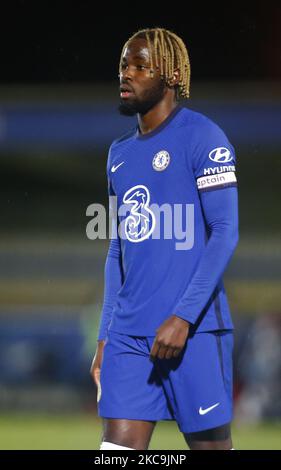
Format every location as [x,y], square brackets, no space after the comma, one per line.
[177,220]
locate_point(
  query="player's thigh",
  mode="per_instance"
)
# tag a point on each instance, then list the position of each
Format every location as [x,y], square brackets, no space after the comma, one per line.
[218,438]
[128,433]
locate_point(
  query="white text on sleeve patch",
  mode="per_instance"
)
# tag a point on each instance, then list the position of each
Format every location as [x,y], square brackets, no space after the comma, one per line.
[216,181]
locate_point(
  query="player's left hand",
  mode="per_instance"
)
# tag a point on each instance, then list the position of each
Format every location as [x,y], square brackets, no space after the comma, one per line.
[170,339]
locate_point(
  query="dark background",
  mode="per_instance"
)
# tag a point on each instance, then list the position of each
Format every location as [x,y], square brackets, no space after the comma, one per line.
[81,41]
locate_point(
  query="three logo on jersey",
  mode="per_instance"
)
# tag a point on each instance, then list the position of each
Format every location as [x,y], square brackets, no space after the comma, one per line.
[140,224]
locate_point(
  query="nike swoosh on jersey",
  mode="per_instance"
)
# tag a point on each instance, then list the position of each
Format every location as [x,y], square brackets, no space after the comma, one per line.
[114,168]
[206,410]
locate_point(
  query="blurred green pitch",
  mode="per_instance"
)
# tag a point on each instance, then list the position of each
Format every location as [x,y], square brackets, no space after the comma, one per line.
[27,431]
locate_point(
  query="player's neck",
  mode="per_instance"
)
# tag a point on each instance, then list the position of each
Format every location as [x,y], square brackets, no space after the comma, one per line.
[149,121]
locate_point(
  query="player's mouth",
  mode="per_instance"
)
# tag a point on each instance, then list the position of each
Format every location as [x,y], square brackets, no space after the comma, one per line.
[126,91]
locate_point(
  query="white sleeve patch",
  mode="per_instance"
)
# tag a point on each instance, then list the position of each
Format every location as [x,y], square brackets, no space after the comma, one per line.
[216,181]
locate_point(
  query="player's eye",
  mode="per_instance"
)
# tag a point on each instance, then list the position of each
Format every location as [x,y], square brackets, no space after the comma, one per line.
[140,67]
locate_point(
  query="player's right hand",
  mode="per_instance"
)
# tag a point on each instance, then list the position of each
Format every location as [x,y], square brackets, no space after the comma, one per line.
[96,364]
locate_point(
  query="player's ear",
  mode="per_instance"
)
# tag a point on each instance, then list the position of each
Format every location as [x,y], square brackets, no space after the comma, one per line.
[175,78]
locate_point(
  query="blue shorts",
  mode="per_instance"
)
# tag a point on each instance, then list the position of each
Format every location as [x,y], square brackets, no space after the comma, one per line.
[195,389]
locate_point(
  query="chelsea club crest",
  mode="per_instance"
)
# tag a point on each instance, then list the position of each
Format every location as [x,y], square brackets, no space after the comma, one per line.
[161,160]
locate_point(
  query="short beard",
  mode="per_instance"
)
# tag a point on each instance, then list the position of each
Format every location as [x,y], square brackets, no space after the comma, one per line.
[148,100]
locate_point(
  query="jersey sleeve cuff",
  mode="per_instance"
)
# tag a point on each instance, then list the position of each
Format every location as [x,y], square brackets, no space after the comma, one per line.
[185,317]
